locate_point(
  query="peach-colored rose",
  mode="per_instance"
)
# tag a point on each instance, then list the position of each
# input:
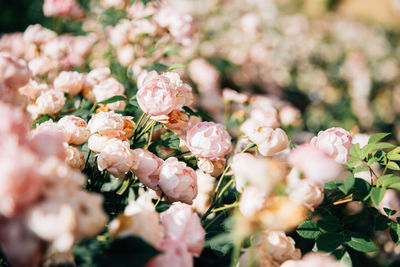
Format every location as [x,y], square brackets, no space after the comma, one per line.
[336,142]
[206,184]
[43,65]
[213,167]
[14,72]
[252,200]
[264,173]
[49,102]
[314,259]
[304,191]
[182,224]
[183,91]
[70,82]
[109,88]
[13,43]
[75,129]
[63,8]
[177,181]
[75,157]
[174,254]
[269,141]
[37,34]
[140,219]
[116,157]
[97,142]
[118,4]
[106,121]
[315,164]
[56,48]
[156,97]
[33,89]
[279,246]
[209,140]
[95,76]
[147,168]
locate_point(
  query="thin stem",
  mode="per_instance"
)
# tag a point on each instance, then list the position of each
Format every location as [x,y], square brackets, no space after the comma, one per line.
[230,206]
[384,170]
[159,199]
[225,187]
[145,130]
[125,185]
[87,159]
[214,220]
[93,107]
[150,137]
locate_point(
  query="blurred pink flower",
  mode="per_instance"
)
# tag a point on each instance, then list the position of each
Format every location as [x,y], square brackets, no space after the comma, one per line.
[174,254]
[177,181]
[269,141]
[314,259]
[182,224]
[63,8]
[70,82]
[252,200]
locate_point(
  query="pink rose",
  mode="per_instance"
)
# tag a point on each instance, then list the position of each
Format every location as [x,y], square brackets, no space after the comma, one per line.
[279,246]
[48,141]
[252,200]
[70,82]
[209,140]
[269,141]
[156,97]
[109,88]
[37,34]
[116,157]
[230,95]
[314,259]
[126,54]
[13,123]
[97,142]
[20,183]
[14,72]
[106,121]
[56,48]
[174,254]
[289,115]
[177,181]
[336,142]
[63,8]
[182,224]
[75,157]
[75,129]
[40,66]
[33,89]
[95,76]
[49,102]
[304,191]
[147,168]
[315,164]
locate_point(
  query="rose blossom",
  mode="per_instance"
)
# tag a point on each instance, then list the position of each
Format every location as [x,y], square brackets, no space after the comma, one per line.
[269,141]
[289,115]
[47,141]
[75,129]
[174,253]
[147,168]
[70,82]
[116,157]
[252,200]
[107,89]
[314,259]
[264,173]
[63,8]
[106,121]
[75,157]
[206,185]
[49,102]
[230,95]
[209,140]
[117,4]
[56,48]
[336,142]
[126,54]
[37,34]
[156,97]
[177,181]
[182,224]
[14,72]
[315,164]
[97,142]
[33,89]
[140,219]
[97,75]
[43,65]
[215,167]
[304,191]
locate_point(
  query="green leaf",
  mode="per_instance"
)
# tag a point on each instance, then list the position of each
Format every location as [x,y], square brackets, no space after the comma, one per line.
[111,16]
[355,151]
[394,154]
[348,184]
[361,188]
[377,195]
[385,180]
[383,145]
[329,241]
[222,243]
[157,67]
[389,212]
[346,260]
[382,222]
[360,169]
[172,142]
[394,232]
[376,137]
[330,224]
[112,99]
[308,230]
[349,219]
[359,242]
[352,162]
[393,166]
[40,120]
[176,66]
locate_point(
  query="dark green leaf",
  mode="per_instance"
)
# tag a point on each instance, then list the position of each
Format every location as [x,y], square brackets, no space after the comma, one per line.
[389,212]
[361,243]
[157,67]
[352,218]
[330,224]
[382,222]
[308,230]
[394,232]
[111,16]
[362,188]
[222,243]
[377,195]
[112,99]
[329,241]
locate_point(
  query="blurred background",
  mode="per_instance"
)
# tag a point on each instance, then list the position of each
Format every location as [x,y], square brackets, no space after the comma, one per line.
[335,60]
